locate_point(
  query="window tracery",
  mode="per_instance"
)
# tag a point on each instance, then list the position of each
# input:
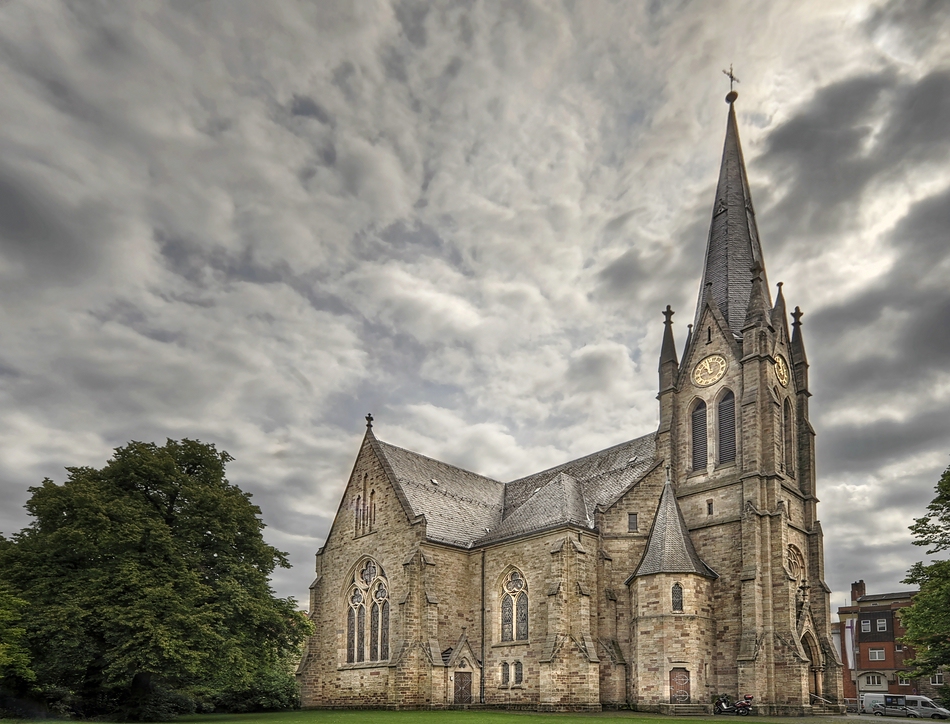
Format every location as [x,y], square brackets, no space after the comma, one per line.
[514,608]
[367,597]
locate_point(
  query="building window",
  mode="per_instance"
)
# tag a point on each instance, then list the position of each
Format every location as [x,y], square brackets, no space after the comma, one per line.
[882,624]
[632,523]
[788,440]
[727,428]
[367,598]
[519,672]
[873,679]
[372,509]
[677,595]
[359,512]
[514,608]
[699,436]
[504,673]
[875,654]
[937,679]
[866,626]
[903,680]
[709,507]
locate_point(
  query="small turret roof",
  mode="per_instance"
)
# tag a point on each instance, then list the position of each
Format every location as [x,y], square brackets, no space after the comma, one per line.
[669,547]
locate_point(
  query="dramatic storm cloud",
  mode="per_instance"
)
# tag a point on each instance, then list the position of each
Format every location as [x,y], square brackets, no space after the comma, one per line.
[253,223]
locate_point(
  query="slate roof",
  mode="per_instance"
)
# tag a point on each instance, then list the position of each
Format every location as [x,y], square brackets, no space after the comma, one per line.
[458,507]
[464,509]
[733,244]
[669,547]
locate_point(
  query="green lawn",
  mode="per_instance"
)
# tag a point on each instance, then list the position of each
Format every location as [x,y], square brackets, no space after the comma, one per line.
[372,716]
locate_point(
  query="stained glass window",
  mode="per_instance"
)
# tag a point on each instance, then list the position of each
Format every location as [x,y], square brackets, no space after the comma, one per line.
[506,618]
[521,634]
[374,632]
[368,597]
[514,608]
[519,672]
[504,673]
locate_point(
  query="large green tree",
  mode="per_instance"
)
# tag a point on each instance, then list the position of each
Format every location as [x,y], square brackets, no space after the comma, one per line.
[150,575]
[927,620]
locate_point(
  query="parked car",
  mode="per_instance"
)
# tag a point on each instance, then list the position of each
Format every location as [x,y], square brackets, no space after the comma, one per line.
[883,710]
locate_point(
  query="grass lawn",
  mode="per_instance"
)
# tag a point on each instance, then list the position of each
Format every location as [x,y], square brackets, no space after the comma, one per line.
[371,716]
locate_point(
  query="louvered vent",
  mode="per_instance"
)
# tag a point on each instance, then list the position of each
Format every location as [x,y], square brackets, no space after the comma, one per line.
[727,428]
[699,437]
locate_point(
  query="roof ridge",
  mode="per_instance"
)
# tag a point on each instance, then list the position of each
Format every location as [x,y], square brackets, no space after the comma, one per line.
[554,469]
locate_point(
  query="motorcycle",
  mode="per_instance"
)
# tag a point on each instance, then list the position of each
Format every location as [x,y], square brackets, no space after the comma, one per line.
[743,707]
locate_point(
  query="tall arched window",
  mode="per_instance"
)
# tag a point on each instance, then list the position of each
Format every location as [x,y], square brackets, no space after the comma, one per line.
[698,428]
[727,428]
[505,674]
[519,672]
[359,512]
[514,608]
[677,595]
[787,435]
[372,509]
[367,607]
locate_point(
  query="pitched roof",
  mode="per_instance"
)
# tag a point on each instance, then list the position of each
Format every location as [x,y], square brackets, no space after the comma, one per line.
[733,244]
[464,509]
[458,505]
[669,547]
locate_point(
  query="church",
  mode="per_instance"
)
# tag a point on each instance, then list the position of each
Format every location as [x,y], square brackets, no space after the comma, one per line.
[654,575]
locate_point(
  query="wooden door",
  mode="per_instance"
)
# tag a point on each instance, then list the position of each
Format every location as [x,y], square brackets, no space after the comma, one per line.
[463,687]
[679,686]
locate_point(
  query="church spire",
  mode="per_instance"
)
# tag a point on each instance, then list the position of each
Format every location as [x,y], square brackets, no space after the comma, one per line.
[733,245]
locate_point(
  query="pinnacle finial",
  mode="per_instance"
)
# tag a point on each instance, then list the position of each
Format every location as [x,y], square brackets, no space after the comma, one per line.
[797,316]
[369,420]
[668,313]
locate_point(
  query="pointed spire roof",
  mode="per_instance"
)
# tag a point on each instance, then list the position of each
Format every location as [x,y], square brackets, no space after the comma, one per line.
[798,343]
[669,547]
[758,313]
[733,245]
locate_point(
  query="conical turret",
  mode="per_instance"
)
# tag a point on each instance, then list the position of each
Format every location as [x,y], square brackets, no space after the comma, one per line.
[733,245]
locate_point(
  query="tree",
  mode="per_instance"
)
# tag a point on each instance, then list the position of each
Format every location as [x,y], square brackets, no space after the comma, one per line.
[927,620]
[150,576]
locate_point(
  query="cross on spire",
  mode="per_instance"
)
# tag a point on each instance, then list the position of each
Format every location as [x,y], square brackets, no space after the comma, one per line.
[668,313]
[731,75]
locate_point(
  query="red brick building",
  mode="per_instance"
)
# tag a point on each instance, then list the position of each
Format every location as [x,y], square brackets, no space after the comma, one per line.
[873,656]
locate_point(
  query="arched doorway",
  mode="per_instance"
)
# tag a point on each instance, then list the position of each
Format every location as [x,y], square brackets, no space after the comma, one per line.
[815,664]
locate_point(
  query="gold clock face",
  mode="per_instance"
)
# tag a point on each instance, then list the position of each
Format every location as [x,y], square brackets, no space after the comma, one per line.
[781,370]
[709,370]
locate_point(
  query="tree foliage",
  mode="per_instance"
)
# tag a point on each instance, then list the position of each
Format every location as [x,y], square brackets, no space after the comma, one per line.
[150,576]
[927,620]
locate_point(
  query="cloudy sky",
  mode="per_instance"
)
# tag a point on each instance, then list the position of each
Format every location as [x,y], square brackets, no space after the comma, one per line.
[252,223]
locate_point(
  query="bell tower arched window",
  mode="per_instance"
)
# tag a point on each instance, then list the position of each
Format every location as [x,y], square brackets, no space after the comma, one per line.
[726,419]
[698,436]
[367,614]
[787,438]
[514,608]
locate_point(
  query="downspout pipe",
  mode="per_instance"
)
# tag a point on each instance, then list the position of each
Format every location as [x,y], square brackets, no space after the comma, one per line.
[481,670]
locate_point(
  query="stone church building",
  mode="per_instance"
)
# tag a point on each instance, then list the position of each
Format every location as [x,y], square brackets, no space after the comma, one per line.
[655,574]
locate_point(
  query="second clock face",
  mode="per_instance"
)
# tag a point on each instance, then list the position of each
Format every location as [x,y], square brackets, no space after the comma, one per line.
[781,370]
[709,370]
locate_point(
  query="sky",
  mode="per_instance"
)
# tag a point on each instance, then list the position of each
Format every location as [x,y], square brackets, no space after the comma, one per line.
[253,223]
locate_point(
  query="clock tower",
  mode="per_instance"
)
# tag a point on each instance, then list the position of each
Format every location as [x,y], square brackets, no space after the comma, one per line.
[734,429]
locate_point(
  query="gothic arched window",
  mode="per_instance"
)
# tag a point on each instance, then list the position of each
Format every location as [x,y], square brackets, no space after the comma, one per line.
[787,435]
[519,672]
[359,512]
[698,438]
[372,509]
[514,608]
[504,673]
[677,594]
[367,607]
[727,428]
